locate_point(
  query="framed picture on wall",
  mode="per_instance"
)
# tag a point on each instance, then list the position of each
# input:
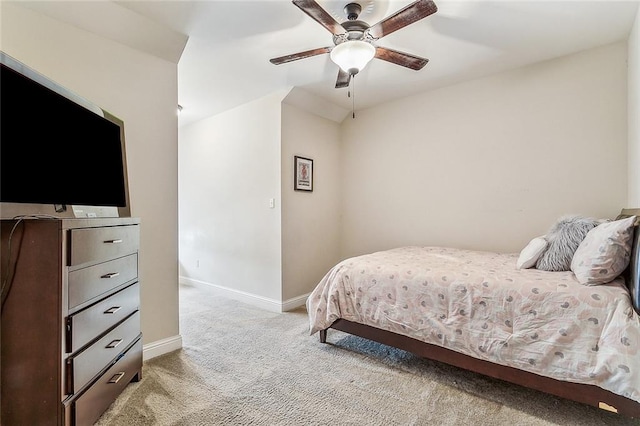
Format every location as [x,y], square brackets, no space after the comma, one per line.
[303,174]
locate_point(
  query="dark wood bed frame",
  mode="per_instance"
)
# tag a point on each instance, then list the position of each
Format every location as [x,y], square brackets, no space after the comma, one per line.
[587,394]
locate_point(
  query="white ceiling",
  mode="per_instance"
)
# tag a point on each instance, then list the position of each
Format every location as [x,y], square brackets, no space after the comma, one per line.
[226,59]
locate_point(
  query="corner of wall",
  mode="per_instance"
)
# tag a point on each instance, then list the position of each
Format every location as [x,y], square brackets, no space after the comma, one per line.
[633,111]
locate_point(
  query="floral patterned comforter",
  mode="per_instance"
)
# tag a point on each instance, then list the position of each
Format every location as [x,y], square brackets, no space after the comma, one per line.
[479,304]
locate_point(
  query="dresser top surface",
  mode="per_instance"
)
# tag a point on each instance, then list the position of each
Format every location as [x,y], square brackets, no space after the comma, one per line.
[70,223]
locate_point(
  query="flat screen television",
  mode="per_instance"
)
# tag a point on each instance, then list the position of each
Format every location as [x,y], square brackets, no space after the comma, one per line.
[60,155]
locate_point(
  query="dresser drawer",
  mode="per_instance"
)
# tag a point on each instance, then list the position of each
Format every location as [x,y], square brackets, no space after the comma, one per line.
[88,283]
[90,323]
[84,366]
[94,245]
[91,404]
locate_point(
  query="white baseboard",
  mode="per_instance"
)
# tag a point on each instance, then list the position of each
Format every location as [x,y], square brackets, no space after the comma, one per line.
[161,347]
[291,304]
[266,303]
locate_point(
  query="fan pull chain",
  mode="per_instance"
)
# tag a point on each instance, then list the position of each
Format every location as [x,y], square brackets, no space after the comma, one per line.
[353,98]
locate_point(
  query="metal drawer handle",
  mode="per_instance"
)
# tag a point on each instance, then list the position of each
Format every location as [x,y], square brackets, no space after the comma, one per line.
[116,377]
[112,310]
[110,275]
[113,344]
[113,241]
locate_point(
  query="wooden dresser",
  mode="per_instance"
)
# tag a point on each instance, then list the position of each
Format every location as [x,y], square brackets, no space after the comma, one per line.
[70,335]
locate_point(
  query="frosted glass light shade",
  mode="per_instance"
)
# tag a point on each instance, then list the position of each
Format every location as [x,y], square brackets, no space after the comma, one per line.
[352,56]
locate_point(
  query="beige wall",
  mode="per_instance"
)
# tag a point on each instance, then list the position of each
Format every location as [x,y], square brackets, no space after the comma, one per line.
[141,90]
[490,163]
[229,167]
[486,164]
[633,46]
[310,220]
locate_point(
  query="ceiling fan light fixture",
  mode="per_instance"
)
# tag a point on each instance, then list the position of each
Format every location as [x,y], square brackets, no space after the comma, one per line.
[353,55]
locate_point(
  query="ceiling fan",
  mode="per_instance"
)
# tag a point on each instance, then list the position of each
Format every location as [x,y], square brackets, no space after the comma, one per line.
[354,39]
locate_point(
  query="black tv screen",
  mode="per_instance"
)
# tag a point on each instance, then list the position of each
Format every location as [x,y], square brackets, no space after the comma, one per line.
[54,150]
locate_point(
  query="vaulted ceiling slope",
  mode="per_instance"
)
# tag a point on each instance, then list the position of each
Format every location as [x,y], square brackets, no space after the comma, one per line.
[225,62]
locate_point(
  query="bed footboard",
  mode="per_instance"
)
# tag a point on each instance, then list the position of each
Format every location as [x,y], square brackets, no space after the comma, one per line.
[587,394]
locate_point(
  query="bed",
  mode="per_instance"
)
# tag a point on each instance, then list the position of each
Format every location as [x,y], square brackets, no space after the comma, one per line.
[476,310]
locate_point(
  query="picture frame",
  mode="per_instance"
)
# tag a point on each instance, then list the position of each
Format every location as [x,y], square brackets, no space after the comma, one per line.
[303,174]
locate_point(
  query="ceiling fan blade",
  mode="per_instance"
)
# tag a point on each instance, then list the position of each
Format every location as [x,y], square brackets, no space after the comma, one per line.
[315,11]
[410,14]
[400,58]
[299,55]
[343,79]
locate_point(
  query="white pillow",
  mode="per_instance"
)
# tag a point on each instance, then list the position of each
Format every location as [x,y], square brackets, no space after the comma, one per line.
[604,253]
[532,252]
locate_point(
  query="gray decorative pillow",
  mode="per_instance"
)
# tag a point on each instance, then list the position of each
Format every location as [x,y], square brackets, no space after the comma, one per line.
[564,238]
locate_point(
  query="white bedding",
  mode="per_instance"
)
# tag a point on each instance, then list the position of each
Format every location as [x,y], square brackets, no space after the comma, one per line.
[479,304]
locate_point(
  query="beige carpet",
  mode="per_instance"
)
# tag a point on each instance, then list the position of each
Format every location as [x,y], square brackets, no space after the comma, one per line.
[241,365]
